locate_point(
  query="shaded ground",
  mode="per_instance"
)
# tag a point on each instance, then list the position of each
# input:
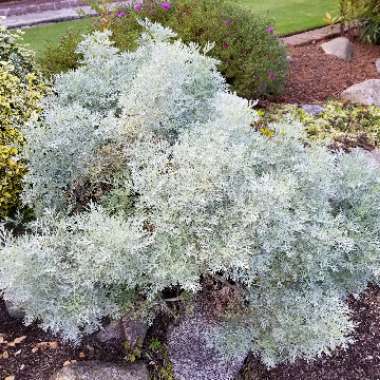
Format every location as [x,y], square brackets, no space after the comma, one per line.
[28,353]
[360,362]
[315,76]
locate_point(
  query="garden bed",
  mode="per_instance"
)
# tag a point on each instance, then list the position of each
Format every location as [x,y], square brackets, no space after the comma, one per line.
[39,354]
[315,76]
[361,361]
[254,237]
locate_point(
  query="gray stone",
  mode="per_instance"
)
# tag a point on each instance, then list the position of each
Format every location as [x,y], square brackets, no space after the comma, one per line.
[366,93]
[134,332]
[312,109]
[193,358]
[14,311]
[375,154]
[340,47]
[94,370]
[113,332]
[126,329]
[377,63]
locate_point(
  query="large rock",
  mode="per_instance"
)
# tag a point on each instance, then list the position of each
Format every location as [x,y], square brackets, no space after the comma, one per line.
[111,333]
[367,93]
[313,109]
[134,332]
[126,329]
[14,311]
[375,154]
[193,358]
[340,47]
[377,64]
[102,371]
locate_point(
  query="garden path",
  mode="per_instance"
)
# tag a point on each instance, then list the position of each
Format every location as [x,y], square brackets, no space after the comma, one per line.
[32,12]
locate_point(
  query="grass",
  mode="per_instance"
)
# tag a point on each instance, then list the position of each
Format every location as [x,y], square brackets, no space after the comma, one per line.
[290,16]
[293,16]
[40,37]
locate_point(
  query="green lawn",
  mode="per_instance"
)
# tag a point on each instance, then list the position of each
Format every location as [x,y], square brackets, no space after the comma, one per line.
[289,16]
[39,37]
[292,16]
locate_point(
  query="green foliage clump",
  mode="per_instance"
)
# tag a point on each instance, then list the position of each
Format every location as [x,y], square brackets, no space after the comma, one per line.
[367,13]
[21,89]
[293,226]
[158,356]
[252,59]
[342,125]
[62,57]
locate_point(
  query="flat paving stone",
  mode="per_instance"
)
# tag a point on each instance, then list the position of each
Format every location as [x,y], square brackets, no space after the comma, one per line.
[30,13]
[56,15]
[312,35]
[17,8]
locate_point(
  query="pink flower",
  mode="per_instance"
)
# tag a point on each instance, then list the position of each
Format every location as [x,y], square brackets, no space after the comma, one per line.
[165,5]
[120,14]
[271,75]
[138,7]
[225,45]
[270,29]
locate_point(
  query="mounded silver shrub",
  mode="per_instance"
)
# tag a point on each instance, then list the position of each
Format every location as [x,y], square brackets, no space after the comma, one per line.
[294,225]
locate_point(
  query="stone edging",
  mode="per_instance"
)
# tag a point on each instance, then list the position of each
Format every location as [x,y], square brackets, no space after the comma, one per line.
[313,35]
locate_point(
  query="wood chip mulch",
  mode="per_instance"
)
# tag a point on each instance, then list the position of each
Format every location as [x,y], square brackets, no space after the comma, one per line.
[34,355]
[315,76]
[28,353]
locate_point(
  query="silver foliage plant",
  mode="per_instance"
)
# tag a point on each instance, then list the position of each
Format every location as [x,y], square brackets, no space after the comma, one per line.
[63,272]
[294,225]
[162,86]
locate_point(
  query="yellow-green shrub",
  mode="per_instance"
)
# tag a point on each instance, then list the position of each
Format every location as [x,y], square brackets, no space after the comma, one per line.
[21,89]
[342,125]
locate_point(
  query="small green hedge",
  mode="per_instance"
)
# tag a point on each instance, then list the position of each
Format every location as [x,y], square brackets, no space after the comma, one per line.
[367,12]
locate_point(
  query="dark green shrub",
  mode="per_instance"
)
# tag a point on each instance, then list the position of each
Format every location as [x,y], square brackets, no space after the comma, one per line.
[371,22]
[252,59]
[367,12]
[61,57]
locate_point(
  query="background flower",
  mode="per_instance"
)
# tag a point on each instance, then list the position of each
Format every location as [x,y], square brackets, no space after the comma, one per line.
[165,5]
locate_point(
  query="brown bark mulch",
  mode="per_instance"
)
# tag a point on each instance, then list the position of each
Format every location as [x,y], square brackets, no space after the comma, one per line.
[315,76]
[361,361]
[28,353]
